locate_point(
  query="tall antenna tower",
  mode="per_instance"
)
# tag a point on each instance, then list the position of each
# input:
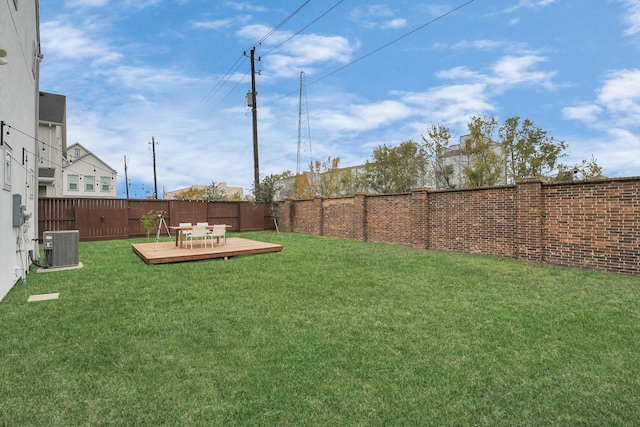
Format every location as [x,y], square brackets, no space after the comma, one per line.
[303,95]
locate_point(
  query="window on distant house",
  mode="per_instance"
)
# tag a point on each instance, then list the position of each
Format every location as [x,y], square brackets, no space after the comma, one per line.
[73,182]
[77,152]
[105,184]
[89,183]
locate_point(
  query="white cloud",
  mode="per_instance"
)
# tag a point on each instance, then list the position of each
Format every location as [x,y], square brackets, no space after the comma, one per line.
[218,24]
[615,113]
[302,52]
[147,78]
[377,16]
[515,70]
[587,113]
[242,6]
[87,3]
[394,24]
[72,43]
[363,117]
[506,72]
[621,96]
[529,4]
[618,99]
[632,17]
[213,25]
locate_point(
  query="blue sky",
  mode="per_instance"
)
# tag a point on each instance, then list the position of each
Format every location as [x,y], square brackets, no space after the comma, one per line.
[373,73]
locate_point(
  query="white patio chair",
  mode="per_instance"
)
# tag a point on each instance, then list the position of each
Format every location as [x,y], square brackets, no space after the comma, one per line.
[219,230]
[209,232]
[199,232]
[185,224]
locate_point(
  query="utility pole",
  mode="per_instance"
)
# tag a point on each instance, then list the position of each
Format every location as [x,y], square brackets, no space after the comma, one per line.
[155,180]
[251,102]
[126,179]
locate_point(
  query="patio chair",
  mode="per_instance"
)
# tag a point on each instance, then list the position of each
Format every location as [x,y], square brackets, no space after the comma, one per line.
[209,232]
[184,233]
[199,232]
[185,224]
[219,230]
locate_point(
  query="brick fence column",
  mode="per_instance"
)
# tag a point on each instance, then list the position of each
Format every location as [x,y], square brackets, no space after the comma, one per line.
[284,211]
[420,218]
[529,211]
[318,209]
[360,217]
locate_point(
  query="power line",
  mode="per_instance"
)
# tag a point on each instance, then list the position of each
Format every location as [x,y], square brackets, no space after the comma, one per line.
[223,80]
[393,41]
[381,48]
[277,27]
[51,147]
[227,76]
[304,28]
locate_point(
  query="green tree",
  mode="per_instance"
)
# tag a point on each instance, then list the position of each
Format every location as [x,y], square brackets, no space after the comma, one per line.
[528,150]
[214,193]
[324,179]
[588,169]
[396,169]
[150,221]
[483,162]
[436,146]
[264,193]
[191,193]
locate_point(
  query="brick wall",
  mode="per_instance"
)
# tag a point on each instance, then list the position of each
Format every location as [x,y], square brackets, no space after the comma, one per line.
[593,224]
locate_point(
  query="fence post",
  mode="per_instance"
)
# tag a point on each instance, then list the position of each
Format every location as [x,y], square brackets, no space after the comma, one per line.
[420,236]
[529,220]
[360,217]
[284,211]
[318,207]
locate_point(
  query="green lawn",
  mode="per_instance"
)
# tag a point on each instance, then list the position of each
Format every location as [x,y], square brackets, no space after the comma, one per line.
[326,332]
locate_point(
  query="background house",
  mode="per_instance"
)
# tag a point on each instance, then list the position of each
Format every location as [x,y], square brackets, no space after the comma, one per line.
[85,175]
[72,171]
[52,142]
[19,86]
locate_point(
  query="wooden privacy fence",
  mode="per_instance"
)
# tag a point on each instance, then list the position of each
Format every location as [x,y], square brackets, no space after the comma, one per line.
[588,224]
[104,219]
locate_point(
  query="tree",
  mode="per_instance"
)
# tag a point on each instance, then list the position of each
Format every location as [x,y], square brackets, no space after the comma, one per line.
[324,179]
[528,149]
[482,160]
[264,193]
[191,193]
[396,169]
[214,193]
[588,169]
[150,221]
[489,155]
[436,146]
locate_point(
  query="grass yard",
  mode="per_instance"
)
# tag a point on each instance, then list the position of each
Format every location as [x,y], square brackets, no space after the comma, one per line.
[326,332]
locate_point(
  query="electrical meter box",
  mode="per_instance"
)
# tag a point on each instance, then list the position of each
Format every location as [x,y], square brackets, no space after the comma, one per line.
[18,219]
[61,248]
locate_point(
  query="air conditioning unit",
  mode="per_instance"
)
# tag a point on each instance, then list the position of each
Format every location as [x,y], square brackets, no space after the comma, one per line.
[61,248]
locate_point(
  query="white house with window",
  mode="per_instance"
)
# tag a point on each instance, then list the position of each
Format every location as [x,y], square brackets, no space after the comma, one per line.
[19,85]
[85,175]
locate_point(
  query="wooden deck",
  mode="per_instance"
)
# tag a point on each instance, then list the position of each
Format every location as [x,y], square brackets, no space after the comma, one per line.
[168,252]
